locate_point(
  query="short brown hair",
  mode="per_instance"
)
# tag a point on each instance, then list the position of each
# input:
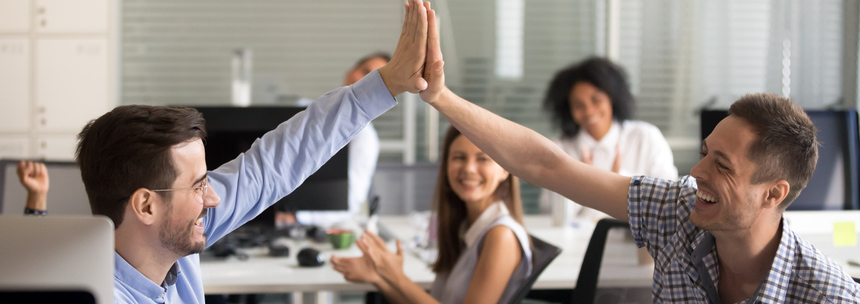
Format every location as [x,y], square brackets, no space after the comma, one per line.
[451,210]
[380,55]
[129,148]
[785,147]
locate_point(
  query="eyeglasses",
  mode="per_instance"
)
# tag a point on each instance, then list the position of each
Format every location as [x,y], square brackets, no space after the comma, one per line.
[202,188]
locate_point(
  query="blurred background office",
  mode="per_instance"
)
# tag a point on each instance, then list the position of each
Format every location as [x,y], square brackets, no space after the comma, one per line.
[680,56]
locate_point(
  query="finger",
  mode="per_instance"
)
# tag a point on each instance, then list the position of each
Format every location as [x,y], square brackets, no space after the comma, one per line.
[399,248]
[362,245]
[434,51]
[368,250]
[21,166]
[413,15]
[420,84]
[377,240]
[403,30]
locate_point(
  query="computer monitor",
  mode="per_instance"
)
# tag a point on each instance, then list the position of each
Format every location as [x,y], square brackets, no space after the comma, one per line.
[834,184]
[232,130]
[66,196]
[56,259]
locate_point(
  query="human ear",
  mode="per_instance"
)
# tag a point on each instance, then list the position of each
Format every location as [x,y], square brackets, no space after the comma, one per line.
[504,176]
[142,204]
[777,193]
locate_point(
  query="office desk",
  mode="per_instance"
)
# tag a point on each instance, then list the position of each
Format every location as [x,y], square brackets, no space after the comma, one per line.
[263,274]
[816,227]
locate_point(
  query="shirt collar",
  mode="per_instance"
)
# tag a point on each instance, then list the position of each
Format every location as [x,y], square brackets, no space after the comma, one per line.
[775,286]
[607,143]
[489,216]
[130,276]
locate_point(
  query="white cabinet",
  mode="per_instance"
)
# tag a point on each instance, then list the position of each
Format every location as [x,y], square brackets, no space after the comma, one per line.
[72,16]
[14,147]
[15,84]
[14,15]
[56,147]
[71,82]
[57,72]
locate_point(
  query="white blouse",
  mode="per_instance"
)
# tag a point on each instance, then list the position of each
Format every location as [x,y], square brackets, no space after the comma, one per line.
[643,149]
[451,287]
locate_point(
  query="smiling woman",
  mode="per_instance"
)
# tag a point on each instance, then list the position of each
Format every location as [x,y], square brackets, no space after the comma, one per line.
[484,251]
[591,103]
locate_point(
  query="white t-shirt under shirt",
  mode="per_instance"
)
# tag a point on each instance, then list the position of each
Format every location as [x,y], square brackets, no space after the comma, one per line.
[644,151]
[363,154]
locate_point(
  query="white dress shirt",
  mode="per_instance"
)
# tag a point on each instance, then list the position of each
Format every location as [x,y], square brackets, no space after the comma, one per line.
[643,149]
[363,155]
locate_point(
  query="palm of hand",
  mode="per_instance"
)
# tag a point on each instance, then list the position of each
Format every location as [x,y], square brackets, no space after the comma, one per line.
[357,270]
[388,265]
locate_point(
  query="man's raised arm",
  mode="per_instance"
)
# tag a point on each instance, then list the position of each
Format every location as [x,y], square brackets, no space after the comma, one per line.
[520,150]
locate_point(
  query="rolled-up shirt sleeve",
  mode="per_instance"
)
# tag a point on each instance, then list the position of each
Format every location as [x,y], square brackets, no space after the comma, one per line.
[656,208]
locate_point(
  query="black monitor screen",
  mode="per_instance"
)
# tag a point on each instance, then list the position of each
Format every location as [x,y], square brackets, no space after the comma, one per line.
[834,184]
[231,131]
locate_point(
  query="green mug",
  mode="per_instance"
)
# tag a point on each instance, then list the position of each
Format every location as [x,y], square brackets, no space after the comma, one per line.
[340,238]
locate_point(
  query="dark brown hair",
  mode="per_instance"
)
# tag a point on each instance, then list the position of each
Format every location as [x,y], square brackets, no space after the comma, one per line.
[451,210]
[785,147]
[129,148]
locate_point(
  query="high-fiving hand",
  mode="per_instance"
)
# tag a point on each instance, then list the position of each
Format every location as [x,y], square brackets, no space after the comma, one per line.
[405,70]
[433,72]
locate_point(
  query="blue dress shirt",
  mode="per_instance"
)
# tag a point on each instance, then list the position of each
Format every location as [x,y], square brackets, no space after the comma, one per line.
[275,165]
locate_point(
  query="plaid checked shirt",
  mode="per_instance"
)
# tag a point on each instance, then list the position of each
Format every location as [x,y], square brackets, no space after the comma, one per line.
[685,269]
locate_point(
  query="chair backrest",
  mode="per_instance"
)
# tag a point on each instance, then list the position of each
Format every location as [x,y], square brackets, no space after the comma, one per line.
[542,254]
[586,284]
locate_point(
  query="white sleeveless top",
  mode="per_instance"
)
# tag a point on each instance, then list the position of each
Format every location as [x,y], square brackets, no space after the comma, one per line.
[452,287]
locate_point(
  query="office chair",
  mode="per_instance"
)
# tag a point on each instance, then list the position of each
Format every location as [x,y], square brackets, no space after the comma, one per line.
[586,283]
[542,254]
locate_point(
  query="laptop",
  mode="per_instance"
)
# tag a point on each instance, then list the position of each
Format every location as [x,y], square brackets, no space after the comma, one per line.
[56,259]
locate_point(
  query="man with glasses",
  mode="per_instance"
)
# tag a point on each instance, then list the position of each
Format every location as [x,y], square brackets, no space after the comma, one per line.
[144,167]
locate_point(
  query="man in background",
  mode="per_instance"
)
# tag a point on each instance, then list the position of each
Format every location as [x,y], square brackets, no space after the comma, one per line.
[363,155]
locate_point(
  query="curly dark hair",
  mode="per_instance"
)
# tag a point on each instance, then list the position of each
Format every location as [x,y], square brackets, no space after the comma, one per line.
[599,72]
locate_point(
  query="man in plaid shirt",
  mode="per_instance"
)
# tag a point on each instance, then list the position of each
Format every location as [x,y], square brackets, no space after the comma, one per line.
[717,236]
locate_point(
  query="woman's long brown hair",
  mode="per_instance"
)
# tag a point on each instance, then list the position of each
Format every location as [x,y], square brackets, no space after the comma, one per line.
[451,210]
